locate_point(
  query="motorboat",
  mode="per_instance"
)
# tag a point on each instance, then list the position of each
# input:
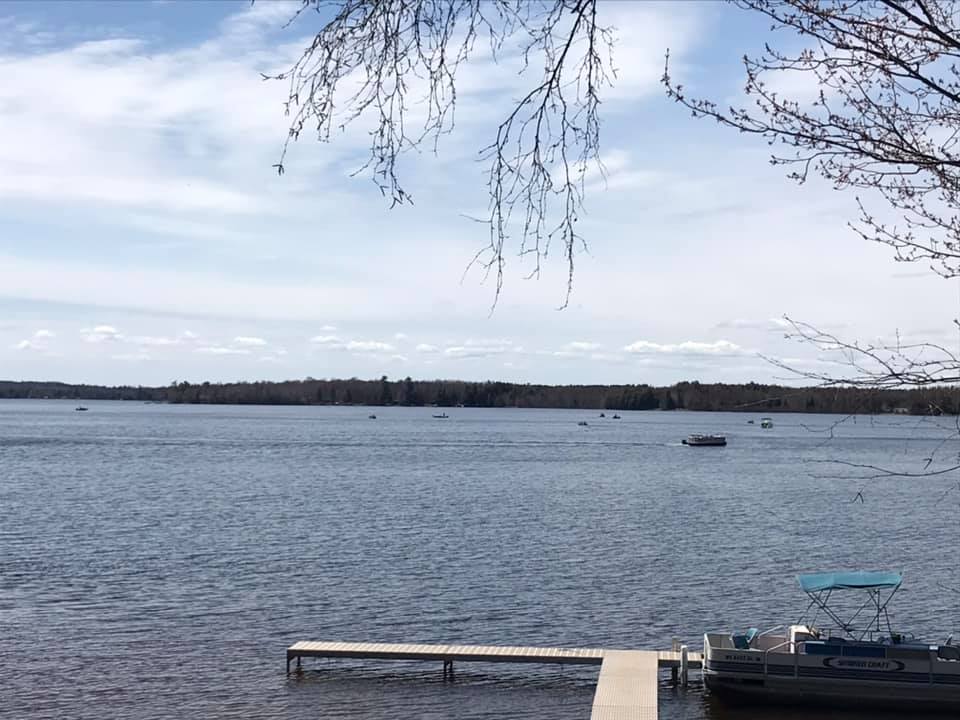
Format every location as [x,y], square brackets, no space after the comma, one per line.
[766,423]
[698,440]
[841,662]
[616,417]
[441,416]
[583,423]
[80,408]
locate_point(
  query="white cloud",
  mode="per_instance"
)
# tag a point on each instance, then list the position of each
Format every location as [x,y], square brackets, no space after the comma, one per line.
[131,357]
[38,342]
[154,340]
[161,105]
[101,333]
[688,347]
[399,336]
[618,172]
[183,338]
[368,346]
[607,357]
[642,32]
[221,350]
[481,348]
[426,348]
[333,342]
[575,349]
[473,351]
[245,341]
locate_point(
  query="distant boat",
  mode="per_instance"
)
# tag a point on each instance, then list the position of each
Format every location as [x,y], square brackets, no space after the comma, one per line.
[371,417]
[441,416]
[766,423]
[602,415]
[698,440]
[749,422]
[616,417]
[582,423]
[80,408]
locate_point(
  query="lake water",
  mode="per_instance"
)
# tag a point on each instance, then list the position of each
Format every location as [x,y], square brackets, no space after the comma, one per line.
[156,561]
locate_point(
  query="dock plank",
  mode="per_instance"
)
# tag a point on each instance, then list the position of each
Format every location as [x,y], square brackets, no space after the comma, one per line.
[627,686]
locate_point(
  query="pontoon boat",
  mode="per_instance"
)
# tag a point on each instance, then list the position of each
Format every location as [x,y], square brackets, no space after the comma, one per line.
[840,664]
[699,440]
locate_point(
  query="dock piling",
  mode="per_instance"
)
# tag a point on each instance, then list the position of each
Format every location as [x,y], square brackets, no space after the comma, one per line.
[674,647]
[684,663]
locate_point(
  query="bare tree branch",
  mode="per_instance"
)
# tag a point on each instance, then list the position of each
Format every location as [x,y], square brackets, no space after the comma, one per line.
[395,64]
[886,119]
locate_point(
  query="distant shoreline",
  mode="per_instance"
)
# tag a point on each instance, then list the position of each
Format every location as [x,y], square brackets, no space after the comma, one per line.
[746,397]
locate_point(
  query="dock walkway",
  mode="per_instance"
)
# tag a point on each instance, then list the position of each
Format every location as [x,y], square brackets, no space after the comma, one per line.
[626,687]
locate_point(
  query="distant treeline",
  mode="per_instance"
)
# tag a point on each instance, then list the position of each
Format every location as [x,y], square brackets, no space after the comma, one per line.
[449,393]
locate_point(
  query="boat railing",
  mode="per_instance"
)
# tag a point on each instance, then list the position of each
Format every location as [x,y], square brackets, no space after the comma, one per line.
[772,630]
[793,648]
[831,632]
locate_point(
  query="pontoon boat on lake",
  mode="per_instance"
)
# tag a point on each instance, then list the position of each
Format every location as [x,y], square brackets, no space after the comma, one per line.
[698,440]
[839,664]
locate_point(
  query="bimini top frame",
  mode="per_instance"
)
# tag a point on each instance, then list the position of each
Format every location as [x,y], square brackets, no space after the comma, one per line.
[819,587]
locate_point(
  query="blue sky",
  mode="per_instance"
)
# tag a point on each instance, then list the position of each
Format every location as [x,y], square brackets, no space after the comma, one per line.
[144,236]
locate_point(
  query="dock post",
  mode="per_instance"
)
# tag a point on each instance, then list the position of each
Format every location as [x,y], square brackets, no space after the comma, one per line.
[299,668]
[448,669]
[675,647]
[683,665]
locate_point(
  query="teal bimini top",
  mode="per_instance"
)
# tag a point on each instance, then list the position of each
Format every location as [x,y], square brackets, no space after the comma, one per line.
[858,580]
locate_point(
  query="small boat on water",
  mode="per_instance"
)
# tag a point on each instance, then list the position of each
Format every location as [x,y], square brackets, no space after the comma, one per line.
[841,664]
[371,417]
[441,416]
[698,440]
[766,423]
[602,415]
[81,408]
[616,417]
[582,423]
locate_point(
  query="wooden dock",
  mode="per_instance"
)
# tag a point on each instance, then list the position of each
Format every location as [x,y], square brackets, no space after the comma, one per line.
[626,687]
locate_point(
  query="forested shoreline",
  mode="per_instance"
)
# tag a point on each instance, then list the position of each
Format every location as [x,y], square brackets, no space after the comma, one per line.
[747,397]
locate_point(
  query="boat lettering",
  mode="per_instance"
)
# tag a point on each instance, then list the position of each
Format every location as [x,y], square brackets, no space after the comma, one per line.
[742,658]
[846,663]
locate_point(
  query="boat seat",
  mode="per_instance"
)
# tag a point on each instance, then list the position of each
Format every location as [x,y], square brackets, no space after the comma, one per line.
[741,641]
[949,652]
